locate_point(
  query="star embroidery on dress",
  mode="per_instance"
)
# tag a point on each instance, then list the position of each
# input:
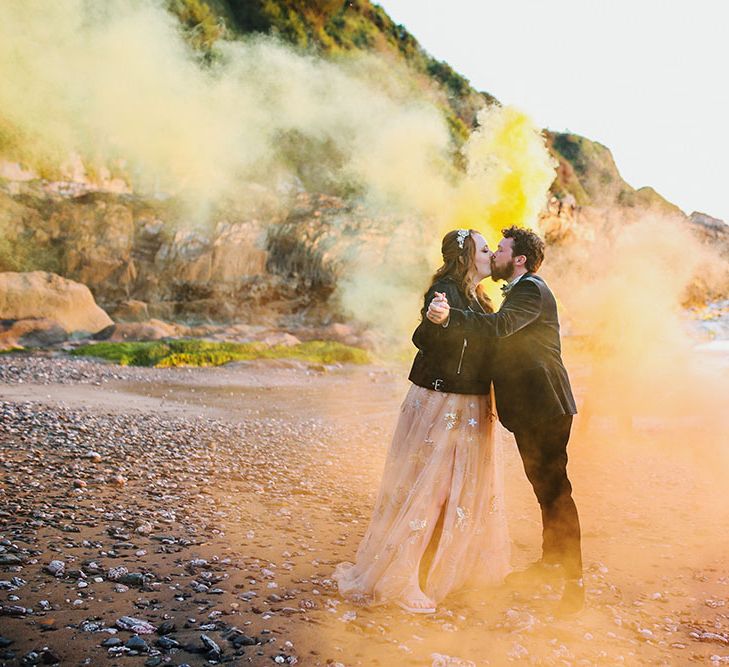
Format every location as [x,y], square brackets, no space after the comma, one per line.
[417,404]
[418,524]
[472,422]
[451,419]
[461,517]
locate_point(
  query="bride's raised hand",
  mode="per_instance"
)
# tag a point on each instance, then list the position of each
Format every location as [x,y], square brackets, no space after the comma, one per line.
[438,310]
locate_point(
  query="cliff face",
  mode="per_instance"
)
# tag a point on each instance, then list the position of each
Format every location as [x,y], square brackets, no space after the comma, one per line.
[281,272]
[334,29]
[279,262]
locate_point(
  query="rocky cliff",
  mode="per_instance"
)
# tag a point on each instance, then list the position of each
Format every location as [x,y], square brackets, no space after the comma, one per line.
[278,262]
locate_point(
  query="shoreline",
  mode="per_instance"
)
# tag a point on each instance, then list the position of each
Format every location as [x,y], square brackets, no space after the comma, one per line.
[268,474]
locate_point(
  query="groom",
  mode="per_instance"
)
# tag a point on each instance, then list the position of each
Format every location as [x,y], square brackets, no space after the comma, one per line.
[533,395]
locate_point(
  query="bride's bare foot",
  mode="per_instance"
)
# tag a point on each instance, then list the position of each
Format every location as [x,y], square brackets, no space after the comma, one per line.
[415,601]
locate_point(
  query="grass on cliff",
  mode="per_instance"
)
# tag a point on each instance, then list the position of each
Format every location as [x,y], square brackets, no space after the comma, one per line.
[168,354]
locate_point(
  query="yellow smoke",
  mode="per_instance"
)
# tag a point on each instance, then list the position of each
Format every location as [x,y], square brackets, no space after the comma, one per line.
[506,181]
[508,175]
[116,84]
[621,292]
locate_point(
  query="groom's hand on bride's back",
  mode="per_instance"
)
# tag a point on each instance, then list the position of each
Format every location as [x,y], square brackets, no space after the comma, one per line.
[438,310]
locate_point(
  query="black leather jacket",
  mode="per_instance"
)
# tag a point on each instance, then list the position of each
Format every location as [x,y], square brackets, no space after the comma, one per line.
[448,359]
[530,380]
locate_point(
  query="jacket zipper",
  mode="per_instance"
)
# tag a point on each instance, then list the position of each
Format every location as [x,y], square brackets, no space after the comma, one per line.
[463,351]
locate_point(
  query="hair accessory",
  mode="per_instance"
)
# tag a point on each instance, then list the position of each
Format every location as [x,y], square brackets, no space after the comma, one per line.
[462,234]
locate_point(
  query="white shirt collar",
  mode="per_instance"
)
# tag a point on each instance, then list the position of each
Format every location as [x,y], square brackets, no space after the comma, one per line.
[516,280]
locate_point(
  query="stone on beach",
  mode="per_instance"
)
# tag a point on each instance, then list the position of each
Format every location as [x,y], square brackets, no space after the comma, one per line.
[136,625]
[42,295]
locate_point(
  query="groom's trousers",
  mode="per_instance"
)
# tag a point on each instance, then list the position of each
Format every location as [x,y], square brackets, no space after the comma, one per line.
[543,449]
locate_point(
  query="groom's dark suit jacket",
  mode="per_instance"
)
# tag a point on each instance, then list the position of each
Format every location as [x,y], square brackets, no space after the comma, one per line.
[530,380]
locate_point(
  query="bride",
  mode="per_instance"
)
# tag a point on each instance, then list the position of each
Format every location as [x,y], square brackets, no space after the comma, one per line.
[442,486]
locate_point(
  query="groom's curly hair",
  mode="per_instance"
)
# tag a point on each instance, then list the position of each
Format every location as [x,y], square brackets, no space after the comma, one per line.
[526,243]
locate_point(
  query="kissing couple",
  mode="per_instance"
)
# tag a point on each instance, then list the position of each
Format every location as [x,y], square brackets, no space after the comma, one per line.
[439,522]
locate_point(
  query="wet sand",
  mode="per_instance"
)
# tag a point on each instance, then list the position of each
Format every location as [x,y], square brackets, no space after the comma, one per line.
[229,495]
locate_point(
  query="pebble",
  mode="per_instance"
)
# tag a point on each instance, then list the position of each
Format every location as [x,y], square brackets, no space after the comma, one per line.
[10,559]
[135,625]
[56,568]
[183,478]
[167,643]
[136,643]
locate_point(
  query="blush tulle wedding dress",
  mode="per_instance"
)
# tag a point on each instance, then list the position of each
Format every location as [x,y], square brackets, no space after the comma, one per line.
[444,470]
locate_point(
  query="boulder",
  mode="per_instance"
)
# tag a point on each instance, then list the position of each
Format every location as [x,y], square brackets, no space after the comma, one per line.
[278,338]
[31,333]
[139,331]
[41,295]
[131,311]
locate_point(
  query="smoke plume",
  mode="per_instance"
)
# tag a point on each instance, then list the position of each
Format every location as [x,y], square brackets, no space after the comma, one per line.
[113,87]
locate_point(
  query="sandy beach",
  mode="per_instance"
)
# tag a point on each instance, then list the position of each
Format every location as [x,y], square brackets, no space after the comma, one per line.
[211,505]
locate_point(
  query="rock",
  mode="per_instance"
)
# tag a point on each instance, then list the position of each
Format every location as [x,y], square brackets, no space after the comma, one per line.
[138,331]
[279,338]
[196,563]
[144,528]
[116,573]
[134,579]
[48,296]
[242,640]
[31,658]
[166,627]
[209,644]
[48,657]
[705,636]
[91,626]
[10,559]
[338,331]
[136,625]
[32,332]
[136,643]
[131,311]
[56,568]
[12,610]
[111,641]
[167,643]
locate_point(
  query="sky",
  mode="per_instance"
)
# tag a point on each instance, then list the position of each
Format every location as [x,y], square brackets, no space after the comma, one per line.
[649,79]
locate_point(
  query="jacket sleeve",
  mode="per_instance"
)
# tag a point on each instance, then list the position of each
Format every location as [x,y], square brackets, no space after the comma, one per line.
[521,308]
[428,335]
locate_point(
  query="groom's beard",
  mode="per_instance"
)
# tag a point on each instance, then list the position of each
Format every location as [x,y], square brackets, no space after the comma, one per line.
[502,272]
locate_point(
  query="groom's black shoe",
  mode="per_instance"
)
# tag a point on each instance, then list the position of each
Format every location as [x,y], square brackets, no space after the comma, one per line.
[573,597]
[538,572]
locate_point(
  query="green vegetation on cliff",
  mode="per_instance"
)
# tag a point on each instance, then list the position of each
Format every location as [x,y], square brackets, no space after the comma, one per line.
[334,29]
[337,28]
[172,353]
[586,170]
